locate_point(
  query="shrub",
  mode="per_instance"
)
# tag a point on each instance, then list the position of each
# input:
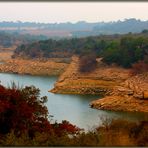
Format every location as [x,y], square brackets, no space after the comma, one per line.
[130,50]
[139,68]
[87,63]
[22,110]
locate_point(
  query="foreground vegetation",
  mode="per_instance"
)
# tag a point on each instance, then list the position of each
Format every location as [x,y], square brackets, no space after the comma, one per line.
[24,121]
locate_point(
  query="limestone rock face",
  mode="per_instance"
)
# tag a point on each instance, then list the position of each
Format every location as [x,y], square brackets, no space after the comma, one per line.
[138,95]
[120,103]
[125,91]
[132,95]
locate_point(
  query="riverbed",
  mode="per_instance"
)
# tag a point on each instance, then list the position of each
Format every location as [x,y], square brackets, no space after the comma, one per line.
[74,108]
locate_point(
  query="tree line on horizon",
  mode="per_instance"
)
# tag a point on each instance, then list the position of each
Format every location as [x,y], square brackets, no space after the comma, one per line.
[83,28]
[8,39]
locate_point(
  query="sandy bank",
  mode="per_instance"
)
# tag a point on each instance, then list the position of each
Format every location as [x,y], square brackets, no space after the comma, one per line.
[33,67]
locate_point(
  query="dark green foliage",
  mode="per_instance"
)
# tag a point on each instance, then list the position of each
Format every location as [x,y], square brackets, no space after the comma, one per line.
[124,50]
[111,54]
[49,48]
[129,51]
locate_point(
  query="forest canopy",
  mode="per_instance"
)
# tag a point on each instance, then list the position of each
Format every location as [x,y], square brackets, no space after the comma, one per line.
[124,50]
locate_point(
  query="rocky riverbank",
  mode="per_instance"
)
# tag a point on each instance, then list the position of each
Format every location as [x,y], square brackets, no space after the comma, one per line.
[121,91]
[33,67]
[131,96]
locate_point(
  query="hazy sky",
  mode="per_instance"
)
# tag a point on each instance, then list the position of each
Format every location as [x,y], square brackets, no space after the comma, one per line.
[72,11]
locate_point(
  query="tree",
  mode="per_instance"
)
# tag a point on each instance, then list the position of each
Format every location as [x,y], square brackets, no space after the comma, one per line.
[22,110]
[130,50]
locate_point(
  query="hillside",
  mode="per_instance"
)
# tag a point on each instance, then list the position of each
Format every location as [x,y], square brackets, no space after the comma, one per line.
[78,29]
[122,27]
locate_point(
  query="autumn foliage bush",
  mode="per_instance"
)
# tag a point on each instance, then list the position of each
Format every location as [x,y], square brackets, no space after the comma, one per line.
[24,122]
[139,67]
[87,63]
[22,110]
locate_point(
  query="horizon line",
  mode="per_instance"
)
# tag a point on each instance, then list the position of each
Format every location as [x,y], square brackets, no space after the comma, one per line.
[72,22]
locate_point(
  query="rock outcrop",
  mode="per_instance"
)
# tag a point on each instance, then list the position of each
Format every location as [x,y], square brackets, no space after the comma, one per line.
[132,96]
[121,103]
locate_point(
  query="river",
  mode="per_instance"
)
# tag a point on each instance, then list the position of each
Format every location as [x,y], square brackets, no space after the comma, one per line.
[74,108]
